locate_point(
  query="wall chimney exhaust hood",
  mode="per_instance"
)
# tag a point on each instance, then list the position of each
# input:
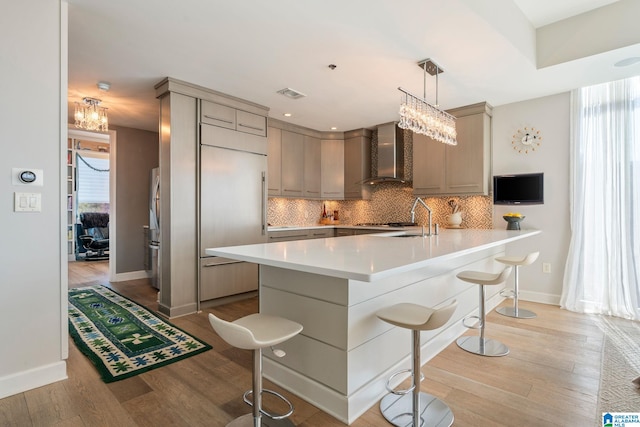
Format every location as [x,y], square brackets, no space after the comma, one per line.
[390,162]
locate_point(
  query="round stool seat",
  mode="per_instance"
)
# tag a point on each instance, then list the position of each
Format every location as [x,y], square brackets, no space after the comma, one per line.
[255,330]
[483,278]
[412,407]
[479,344]
[516,261]
[416,317]
[519,260]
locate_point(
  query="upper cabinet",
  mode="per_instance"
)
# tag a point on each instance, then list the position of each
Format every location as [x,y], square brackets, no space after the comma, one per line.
[274,161]
[463,169]
[357,163]
[292,166]
[305,163]
[224,116]
[312,172]
[332,167]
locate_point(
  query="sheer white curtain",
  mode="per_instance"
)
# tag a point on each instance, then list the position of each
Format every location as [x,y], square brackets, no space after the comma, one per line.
[602,274]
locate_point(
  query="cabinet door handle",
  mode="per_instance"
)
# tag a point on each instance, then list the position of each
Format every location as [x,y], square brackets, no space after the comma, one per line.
[288,189]
[220,120]
[250,127]
[312,192]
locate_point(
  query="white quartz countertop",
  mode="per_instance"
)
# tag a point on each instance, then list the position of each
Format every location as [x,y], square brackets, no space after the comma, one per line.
[332,226]
[370,257]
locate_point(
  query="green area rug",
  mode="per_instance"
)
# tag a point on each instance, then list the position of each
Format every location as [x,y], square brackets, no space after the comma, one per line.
[123,339]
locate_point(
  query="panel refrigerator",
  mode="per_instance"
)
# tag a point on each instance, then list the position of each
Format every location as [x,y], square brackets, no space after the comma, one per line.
[233,201]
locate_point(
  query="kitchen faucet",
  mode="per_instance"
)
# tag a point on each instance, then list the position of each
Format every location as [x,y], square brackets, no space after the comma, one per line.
[413,213]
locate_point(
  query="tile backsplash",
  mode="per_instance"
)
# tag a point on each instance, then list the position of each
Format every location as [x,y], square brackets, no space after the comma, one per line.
[390,202]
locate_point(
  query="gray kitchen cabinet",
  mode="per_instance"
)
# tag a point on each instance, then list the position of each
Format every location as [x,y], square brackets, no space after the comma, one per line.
[220,115]
[251,123]
[221,277]
[198,125]
[342,232]
[274,161]
[311,168]
[357,164]
[463,169]
[321,233]
[292,166]
[302,234]
[332,168]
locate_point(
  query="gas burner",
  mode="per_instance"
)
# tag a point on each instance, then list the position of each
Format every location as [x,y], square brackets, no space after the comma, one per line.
[371,224]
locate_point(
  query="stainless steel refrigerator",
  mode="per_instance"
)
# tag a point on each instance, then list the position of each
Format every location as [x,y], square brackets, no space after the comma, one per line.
[153,244]
[233,199]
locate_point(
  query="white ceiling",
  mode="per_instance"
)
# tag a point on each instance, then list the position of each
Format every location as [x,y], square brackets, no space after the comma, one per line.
[253,48]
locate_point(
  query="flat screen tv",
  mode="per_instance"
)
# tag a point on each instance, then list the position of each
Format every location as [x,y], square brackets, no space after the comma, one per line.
[522,189]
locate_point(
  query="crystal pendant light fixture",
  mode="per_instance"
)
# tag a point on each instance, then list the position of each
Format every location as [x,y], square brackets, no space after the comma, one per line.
[90,116]
[417,115]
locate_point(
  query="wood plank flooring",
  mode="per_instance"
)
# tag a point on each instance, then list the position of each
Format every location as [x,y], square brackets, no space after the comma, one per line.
[550,377]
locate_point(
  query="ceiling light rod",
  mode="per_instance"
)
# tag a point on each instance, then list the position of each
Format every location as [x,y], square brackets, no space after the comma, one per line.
[419,116]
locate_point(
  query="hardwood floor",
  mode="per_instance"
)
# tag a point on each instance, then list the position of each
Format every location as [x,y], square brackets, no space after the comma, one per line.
[550,377]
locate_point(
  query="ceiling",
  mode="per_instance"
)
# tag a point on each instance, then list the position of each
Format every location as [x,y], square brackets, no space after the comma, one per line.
[490,50]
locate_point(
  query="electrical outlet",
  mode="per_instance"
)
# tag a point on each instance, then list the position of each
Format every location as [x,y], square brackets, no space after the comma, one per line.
[546,267]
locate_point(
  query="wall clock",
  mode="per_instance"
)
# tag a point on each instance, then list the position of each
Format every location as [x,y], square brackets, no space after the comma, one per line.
[526,140]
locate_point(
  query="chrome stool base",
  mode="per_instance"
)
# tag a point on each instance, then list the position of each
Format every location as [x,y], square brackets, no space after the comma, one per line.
[433,411]
[248,421]
[520,313]
[482,346]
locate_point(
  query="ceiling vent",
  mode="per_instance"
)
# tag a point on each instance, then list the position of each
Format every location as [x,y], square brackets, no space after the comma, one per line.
[291,93]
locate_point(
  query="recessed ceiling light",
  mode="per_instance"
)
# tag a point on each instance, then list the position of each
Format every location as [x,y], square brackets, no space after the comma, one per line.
[291,93]
[287,114]
[628,61]
[334,128]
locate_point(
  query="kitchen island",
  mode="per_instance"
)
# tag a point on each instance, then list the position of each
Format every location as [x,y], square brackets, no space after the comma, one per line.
[333,287]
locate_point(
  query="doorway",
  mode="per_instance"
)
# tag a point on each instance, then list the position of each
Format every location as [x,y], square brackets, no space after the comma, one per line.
[91,204]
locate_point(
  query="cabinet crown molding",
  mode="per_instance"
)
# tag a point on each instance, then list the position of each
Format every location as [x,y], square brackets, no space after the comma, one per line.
[169,84]
[468,110]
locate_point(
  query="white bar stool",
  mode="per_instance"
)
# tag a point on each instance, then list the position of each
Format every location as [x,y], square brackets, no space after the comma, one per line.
[514,311]
[481,345]
[255,332]
[418,409]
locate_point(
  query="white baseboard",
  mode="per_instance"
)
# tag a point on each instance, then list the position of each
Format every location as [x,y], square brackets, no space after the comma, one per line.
[32,378]
[130,275]
[540,297]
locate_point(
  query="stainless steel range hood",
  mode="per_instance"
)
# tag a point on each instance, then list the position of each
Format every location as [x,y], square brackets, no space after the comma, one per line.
[391,157]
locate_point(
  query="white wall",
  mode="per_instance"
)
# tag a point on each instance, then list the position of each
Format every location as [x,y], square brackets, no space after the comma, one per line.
[33,322]
[550,115]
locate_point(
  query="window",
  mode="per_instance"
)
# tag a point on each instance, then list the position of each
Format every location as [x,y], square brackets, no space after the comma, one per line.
[92,182]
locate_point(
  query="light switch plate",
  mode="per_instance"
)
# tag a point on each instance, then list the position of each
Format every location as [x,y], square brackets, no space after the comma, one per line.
[27,202]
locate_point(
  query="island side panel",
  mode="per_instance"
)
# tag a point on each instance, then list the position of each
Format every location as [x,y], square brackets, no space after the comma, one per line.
[344,355]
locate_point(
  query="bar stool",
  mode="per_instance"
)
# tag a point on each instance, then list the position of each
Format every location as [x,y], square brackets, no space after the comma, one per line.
[255,332]
[514,311]
[481,345]
[418,409]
